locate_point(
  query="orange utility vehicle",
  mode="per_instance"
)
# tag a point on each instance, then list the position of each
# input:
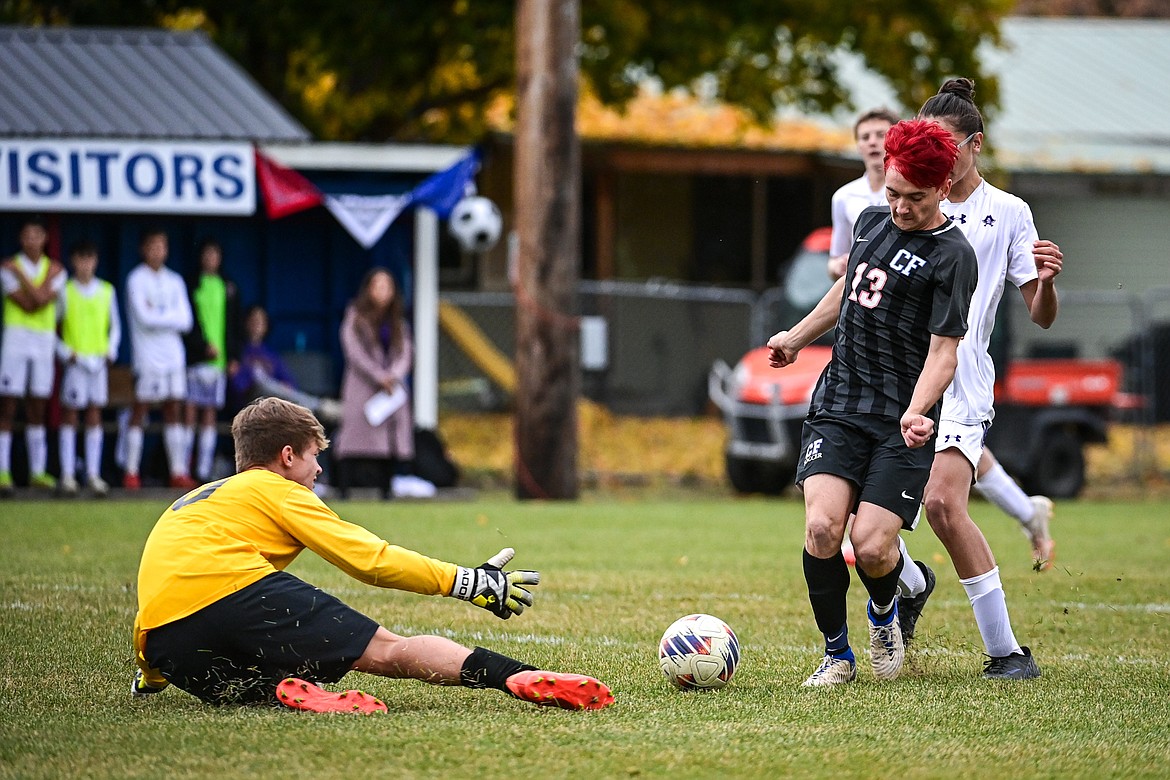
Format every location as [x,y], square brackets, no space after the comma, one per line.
[1046,410]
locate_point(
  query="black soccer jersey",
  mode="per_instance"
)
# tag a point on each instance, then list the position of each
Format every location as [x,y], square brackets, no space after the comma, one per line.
[901,287]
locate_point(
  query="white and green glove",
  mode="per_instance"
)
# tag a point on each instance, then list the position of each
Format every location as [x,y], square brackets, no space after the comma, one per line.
[499,592]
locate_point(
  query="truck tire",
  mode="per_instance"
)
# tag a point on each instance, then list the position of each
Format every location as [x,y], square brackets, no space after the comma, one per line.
[1059,468]
[756,476]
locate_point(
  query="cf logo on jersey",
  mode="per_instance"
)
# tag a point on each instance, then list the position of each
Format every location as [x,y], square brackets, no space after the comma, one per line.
[813,451]
[904,262]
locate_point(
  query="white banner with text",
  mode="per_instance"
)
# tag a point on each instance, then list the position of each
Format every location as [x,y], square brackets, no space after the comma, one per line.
[105,176]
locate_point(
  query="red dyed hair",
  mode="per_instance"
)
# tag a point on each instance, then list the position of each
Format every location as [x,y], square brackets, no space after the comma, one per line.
[922,151]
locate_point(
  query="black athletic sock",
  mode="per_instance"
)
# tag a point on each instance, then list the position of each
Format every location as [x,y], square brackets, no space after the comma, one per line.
[828,583]
[882,590]
[486,669]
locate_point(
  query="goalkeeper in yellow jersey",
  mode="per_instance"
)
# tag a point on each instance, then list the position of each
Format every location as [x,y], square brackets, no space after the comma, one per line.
[219,618]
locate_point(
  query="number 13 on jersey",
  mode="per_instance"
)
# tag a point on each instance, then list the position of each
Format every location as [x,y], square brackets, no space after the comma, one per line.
[871,297]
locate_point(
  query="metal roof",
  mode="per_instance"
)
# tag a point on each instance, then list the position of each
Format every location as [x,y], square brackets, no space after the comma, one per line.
[1083,94]
[1076,94]
[71,82]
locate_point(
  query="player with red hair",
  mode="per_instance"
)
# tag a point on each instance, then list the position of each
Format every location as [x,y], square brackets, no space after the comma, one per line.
[899,311]
[921,151]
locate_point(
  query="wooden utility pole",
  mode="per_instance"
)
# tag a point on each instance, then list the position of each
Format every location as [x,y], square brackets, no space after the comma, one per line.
[547,191]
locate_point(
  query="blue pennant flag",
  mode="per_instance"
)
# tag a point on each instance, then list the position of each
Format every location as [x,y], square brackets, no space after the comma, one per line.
[443,190]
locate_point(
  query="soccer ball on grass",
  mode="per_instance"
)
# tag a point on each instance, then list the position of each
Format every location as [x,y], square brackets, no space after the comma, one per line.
[698,652]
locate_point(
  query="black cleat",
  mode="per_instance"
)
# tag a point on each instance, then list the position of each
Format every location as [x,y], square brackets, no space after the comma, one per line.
[140,688]
[910,607]
[1017,666]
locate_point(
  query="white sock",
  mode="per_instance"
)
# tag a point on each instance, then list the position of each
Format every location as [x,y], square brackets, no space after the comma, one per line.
[94,439]
[67,450]
[188,448]
[175,438]
[5,450]
[207,441]
[990,605]
[1000,489]
[38,449]
[911,582]
[134,436]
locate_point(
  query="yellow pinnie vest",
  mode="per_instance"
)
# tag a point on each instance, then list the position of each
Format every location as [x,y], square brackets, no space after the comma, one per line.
[85,328]
[43,319]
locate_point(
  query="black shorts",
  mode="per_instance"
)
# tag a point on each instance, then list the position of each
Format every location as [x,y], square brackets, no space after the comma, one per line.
[870,452]
[237,649]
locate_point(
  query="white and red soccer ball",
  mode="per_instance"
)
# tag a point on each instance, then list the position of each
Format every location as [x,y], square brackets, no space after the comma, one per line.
[698,652]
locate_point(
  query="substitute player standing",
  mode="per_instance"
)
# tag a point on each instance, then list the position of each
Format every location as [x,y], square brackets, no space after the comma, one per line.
[31,283]
[213,347]
[219,617]
[159,314]
[900,312]
[91,333]
[1000,228]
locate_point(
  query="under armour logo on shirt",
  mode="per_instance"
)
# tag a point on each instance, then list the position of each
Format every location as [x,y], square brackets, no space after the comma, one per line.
[962,219]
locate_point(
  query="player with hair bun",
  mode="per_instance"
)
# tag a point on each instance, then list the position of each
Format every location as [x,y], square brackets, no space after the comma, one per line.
[1000,228]
[900,311]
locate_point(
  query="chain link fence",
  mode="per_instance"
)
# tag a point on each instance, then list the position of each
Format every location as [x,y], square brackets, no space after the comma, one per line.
[649,346]
[1131,327]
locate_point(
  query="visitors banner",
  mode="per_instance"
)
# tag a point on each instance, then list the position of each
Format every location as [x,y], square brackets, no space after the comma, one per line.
[127,176]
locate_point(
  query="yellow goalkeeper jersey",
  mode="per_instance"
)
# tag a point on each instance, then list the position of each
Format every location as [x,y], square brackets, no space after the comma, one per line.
[228,534]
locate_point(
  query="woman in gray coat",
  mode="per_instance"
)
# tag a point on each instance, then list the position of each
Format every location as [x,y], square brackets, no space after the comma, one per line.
[378,354]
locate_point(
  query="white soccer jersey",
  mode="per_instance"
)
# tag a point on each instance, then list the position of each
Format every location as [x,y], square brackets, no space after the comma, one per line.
[158,313]
[848,203]
[1000,228]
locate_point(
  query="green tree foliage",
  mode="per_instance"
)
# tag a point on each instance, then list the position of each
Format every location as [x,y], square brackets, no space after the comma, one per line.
[428,69]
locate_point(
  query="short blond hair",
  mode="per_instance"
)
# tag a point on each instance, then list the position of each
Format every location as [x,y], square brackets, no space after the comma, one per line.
[264,427]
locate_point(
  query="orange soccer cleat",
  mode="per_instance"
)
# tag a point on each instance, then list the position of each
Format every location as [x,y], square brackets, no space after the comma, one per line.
[131,482]
[567,691]
[301,695]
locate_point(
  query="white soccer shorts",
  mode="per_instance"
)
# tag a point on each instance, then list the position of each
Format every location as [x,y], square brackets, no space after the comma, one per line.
[206,386]
[26,368]
[83,386]
[967,439]
[151,387]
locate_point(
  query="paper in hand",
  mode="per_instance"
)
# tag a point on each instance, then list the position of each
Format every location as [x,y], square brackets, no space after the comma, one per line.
[379,408]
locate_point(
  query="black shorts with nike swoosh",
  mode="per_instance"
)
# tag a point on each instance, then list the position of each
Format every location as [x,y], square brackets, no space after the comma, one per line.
[868,450]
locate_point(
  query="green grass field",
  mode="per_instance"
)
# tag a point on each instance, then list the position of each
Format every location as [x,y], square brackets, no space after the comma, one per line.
[617,572]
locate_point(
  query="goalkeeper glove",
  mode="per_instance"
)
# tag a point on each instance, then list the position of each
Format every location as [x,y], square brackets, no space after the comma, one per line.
[499,592]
